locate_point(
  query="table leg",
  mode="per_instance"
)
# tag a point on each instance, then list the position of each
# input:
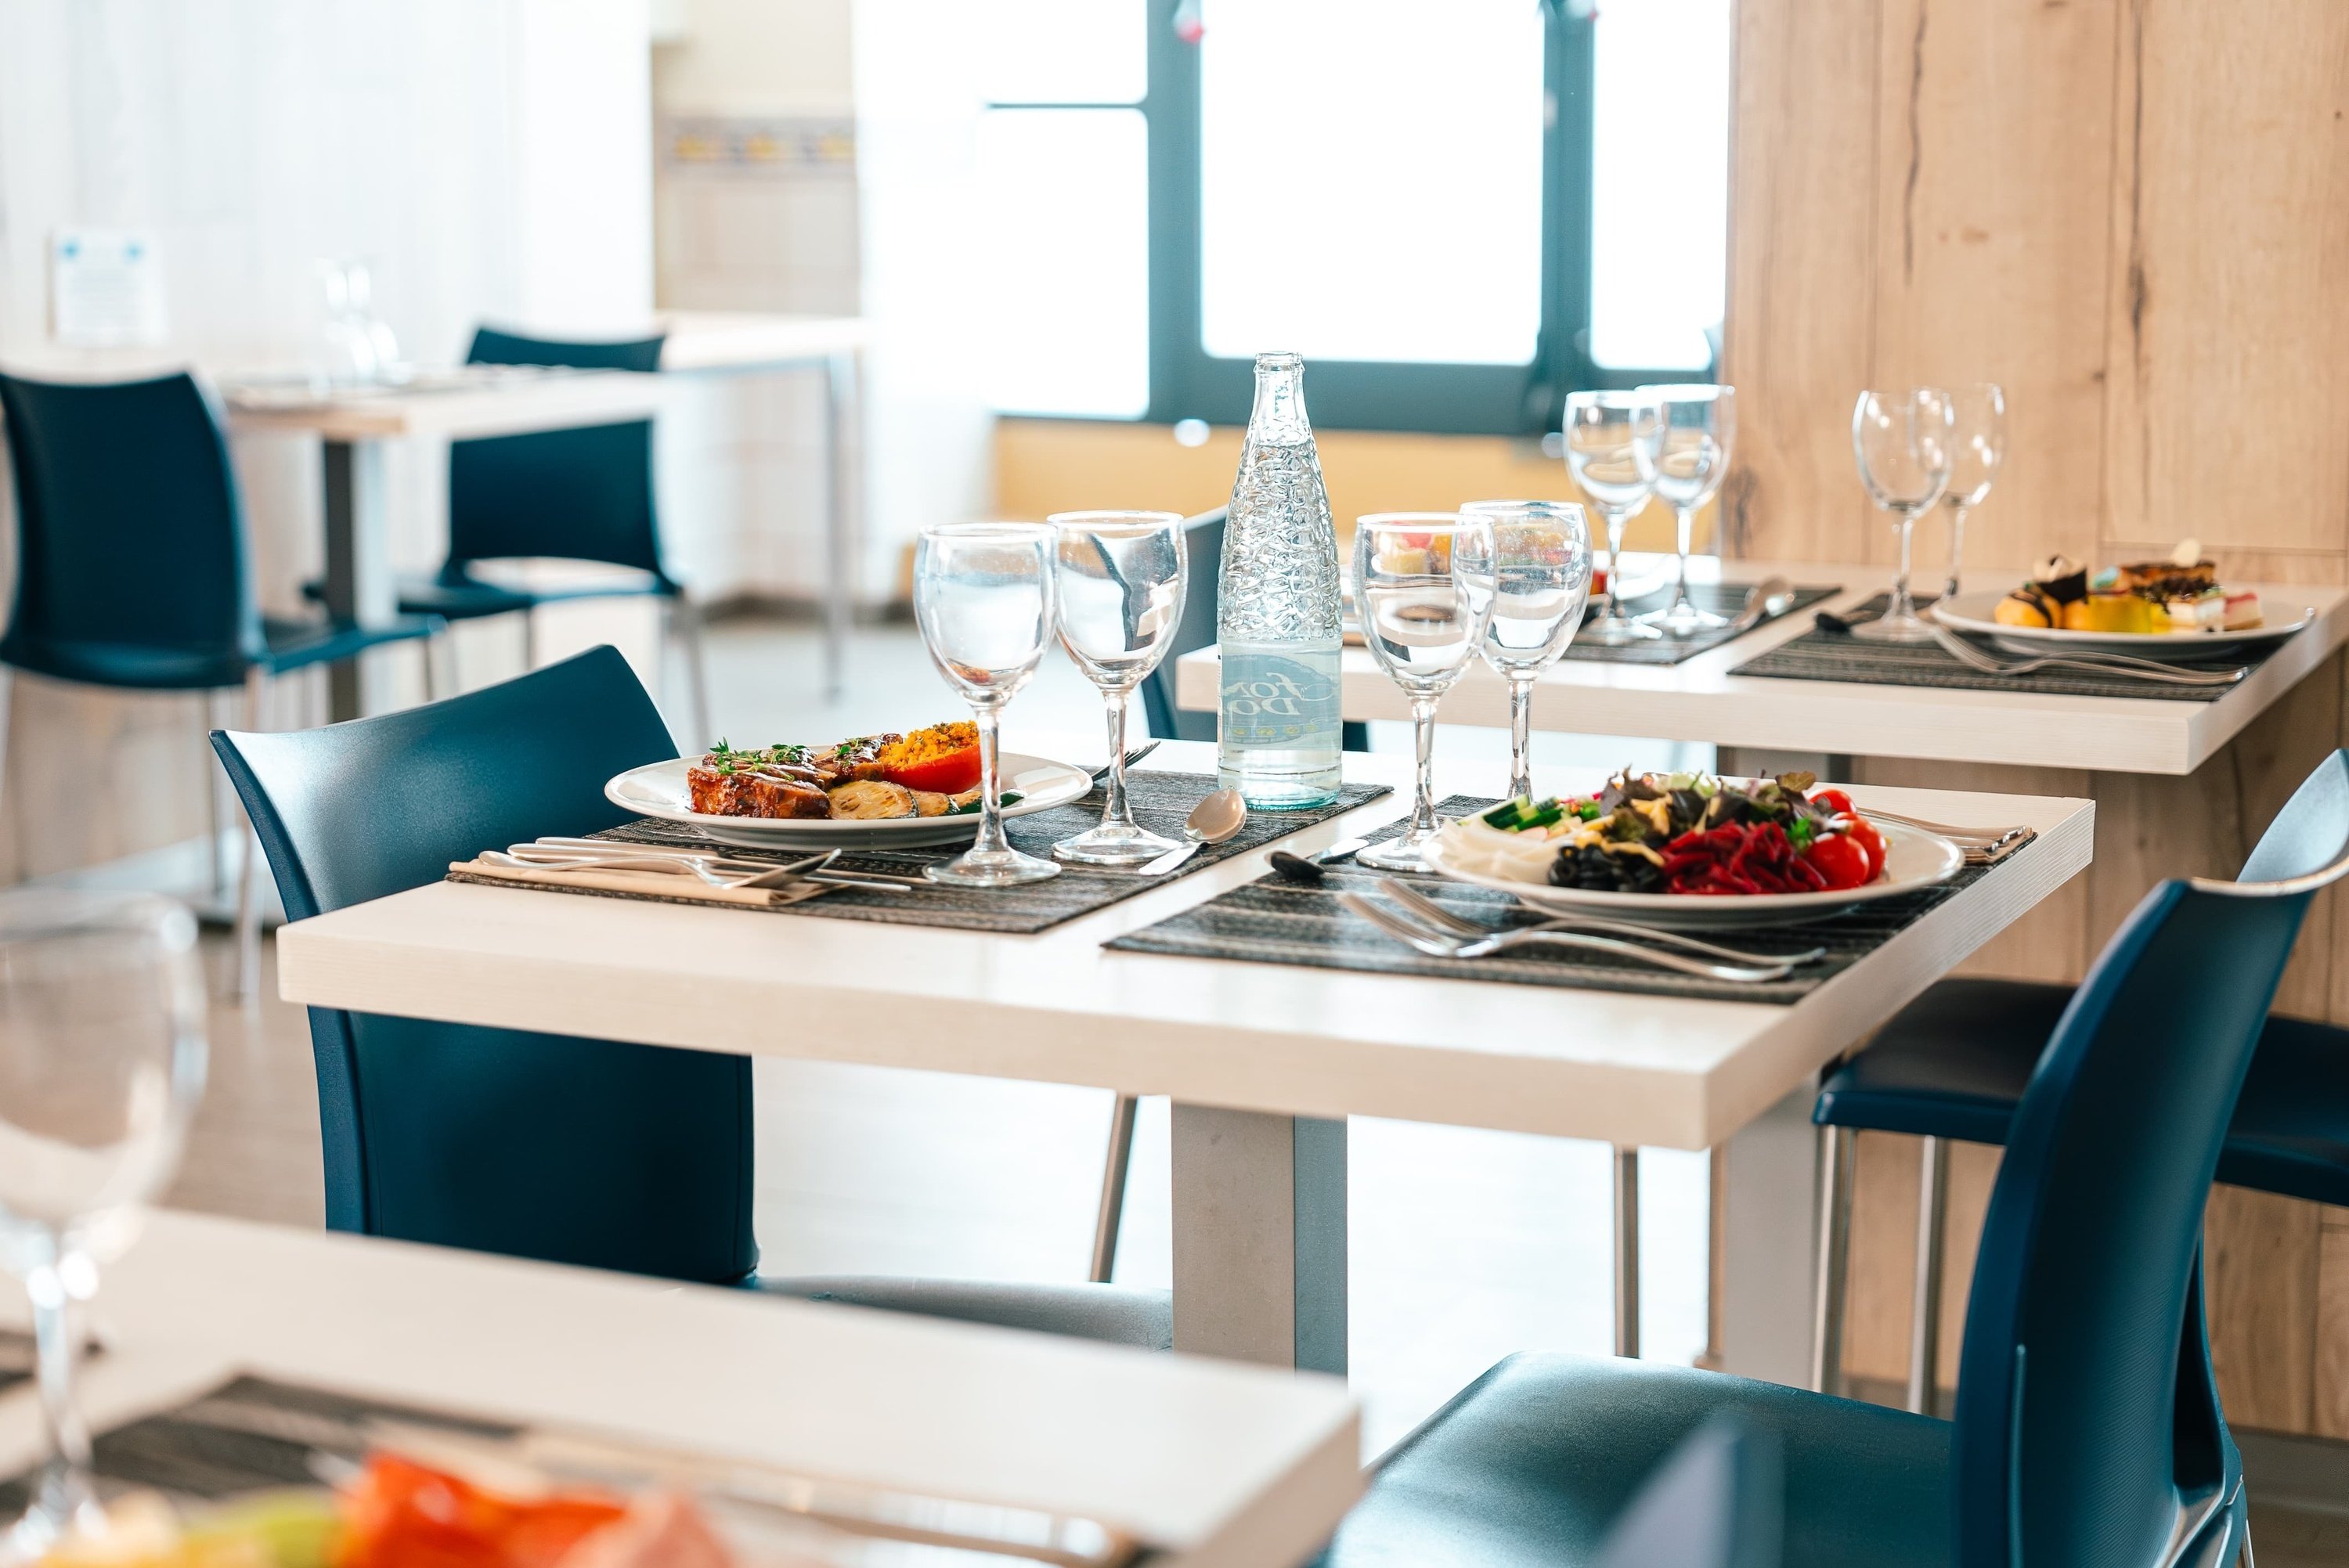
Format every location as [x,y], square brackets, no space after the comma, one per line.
[1769,1183]
[842,535]
[1261,1237]
[358,574]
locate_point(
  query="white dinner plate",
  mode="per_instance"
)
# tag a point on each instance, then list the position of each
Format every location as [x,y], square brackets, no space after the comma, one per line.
[658,790]
[1913,859]
[1974,614]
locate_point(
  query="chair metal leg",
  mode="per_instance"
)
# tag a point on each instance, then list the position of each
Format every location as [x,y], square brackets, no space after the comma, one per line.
[1834,1253]
[684,621]
[1113,1192]
[248,910]
[208,719]
[1925,1303]
[1627,1253]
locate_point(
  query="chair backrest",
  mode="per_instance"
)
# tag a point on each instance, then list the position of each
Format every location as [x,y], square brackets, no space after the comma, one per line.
[131,548]
[1203,546]
[2088,1429]
[586,1152]
[584,494]
[1718,1500]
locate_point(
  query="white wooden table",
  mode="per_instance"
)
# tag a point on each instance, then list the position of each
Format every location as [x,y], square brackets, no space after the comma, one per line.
[355,427]
[1215,1464]
[1263,1062]
[1700,700]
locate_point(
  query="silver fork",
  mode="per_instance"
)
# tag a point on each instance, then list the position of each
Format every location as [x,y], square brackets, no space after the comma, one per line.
[817,867]
[1434,913]
[685,865]
[2089,660]
[1438,944]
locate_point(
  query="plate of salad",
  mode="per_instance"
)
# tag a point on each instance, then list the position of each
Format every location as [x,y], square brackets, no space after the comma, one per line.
[1694,851]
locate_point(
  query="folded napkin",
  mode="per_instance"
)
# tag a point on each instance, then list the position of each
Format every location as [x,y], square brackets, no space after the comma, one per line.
[669,886]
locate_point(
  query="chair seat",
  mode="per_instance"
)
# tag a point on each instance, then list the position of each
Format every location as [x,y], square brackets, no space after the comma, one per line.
[1116,1314]
[470,599]
[292,646]
[1954,1064]
[1533,1461]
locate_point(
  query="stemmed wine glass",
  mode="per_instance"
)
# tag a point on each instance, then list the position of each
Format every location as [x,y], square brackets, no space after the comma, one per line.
[1611,442]
[1902,441]
[1120,582]
[1541,568]
[101,1064]
[1423,589]
[1700,427]
[983,596]
[1980,412]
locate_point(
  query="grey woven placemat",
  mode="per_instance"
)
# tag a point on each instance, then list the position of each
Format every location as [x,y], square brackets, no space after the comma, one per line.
[1720,598]
[1824,656]
[1274,922]
[1160,802]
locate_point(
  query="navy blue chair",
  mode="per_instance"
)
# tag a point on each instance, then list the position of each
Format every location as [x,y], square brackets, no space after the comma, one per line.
[1716,1501]
[582,494]
[1952,1067]
[2088,1429]
[133,569]
[583,1152]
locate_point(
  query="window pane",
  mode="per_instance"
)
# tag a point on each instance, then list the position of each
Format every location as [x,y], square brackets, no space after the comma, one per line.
[1659,187]
[1066,269]
[1370,178]
[1064,51]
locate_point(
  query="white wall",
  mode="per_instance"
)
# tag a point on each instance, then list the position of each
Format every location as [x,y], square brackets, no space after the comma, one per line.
[489,159]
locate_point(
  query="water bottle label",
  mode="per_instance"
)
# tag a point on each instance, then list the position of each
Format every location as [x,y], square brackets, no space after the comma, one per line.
[1273,700]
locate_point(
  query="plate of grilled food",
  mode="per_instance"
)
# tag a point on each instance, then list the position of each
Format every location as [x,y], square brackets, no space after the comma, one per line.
[1693,852]
[2155,609]
[897,790]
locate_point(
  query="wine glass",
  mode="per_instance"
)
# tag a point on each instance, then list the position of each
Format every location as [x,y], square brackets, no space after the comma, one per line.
[1423,588]
[983,596]
[1541,568]
[1611,442]
[1902,441]
[1980,412]
[101,1064]
[1700,427]
[1121,577]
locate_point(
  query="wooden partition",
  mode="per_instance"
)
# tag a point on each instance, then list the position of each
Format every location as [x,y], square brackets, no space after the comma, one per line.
[2135,215]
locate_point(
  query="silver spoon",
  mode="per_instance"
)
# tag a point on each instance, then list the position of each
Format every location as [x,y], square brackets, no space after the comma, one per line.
[1212,821]
[1771,596]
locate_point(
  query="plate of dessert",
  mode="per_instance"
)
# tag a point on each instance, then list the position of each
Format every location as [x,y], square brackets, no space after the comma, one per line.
[1692,852]
[903,790]
[2177,607]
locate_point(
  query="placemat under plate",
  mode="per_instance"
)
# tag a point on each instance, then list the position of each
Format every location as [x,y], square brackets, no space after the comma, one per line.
[1160,802]
[1823,656]
[1720,598]
[1271,921]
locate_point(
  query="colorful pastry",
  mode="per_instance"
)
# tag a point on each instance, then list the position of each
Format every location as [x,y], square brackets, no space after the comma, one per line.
[2239,611]
[2054,584]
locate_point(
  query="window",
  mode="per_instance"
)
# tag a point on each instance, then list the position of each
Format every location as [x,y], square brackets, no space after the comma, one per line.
[1457,211]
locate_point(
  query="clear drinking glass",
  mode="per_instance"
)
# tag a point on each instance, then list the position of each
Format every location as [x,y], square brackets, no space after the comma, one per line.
[1423,589]
[1120,582]
[1902,441]
[101,1064]
[1981,413]
[1613,439]
[1700,427]
[983,597]
[1541,568]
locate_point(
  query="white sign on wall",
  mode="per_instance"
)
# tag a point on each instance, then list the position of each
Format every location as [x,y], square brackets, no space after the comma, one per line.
[106,290]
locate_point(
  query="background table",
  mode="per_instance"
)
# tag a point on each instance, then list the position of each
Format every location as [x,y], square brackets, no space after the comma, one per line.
[1263,1062]
[1218,1464]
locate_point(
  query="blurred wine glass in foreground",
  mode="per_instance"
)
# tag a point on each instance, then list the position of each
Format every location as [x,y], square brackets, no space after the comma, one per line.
[101,1064]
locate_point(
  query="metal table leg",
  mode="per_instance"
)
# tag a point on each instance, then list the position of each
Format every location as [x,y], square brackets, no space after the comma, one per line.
[1769,1185]
[358,585]
[842,534]
[1261,1237]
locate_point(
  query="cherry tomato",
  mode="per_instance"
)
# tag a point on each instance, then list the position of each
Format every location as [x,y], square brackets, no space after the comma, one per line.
[1841,860]
[1870,840]
[1834,802]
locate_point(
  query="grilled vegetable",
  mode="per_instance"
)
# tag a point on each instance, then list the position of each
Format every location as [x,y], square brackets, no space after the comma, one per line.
[870,800]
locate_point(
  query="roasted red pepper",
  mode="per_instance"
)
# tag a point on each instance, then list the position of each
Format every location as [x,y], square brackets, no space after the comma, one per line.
[402,1515]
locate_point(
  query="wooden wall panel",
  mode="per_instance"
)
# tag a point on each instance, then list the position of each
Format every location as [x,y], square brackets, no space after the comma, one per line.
[1803,242]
